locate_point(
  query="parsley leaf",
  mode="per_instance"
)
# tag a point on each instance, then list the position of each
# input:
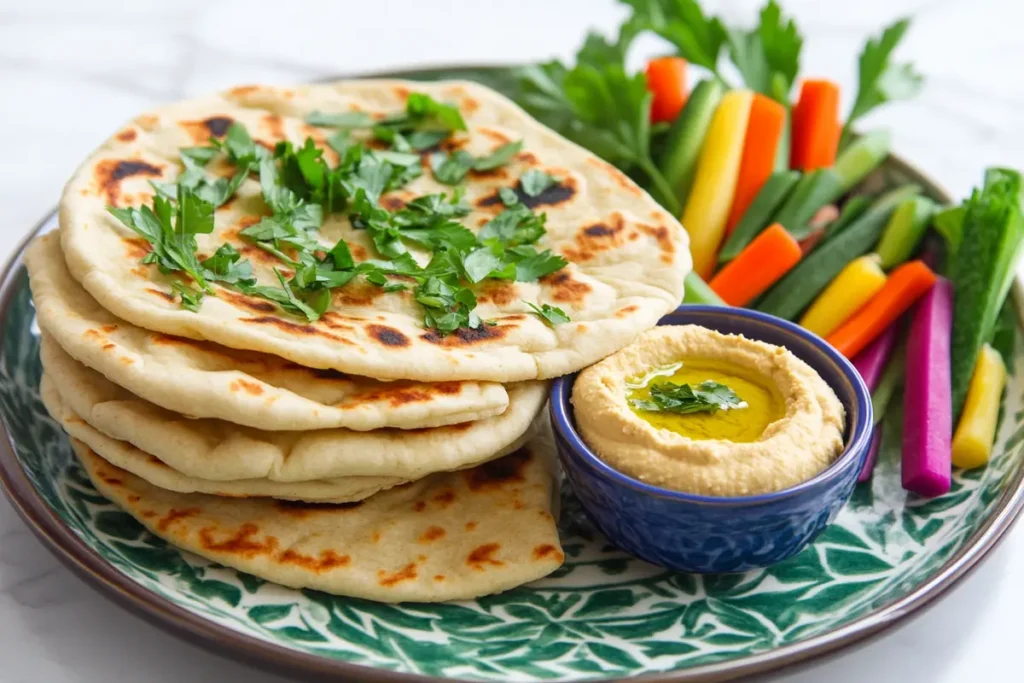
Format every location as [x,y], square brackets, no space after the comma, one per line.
[488,261]
[508,196]
[552,315]
[226,266]
[451,169]
[200,155]
[190,298]
[683,399]
[348,119]
[499,157]
[879,80]
[514,226]
[533,182]
[532,265]
[768,57]
[698,39]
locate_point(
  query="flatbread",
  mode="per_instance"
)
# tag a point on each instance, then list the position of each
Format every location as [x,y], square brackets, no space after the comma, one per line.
[628,256]
[201,379]
[221,451]
[153,470]
[447,537]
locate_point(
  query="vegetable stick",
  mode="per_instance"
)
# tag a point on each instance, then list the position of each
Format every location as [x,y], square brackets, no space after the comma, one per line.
[715,183]
[696,291]
[666,79]
[904,231]
[927,415]
[773,193]
[872,361]
[788,298]
[815,126]
[905,285]
[855,285]
[758,267]
[972,443]
[681,152]
[764,130]
[862,157]
[824,217]
[869,463]
[891,380]
[815,190]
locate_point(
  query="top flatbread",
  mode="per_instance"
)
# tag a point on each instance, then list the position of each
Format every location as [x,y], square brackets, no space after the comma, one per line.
[201,379]
[628,257]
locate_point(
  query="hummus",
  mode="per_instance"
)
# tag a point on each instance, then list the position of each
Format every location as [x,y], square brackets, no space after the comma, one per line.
[780,425]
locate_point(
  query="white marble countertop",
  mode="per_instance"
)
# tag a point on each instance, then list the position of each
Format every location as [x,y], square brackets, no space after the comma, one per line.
[71,71]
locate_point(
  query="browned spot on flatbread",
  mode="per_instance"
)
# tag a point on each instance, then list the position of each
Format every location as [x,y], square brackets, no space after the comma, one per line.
[664,238]
[156,462]
[528,158]
[420,506]
[595,238]
[134,498]
[167,296]
[174,516]
[210,127]
[302,509]
[358,252]
[498,473]
[401,92]
[245,385]
[444,498]
[470,526]
[388,336]
[392,202]
[483,556]
[243,90]
[438,577]
[566,289]
[297,329]
[495,135]
[149,514]
[126,360]
[109,174]
[135,247]
[497,292]
[406,573]
[617,176]
[242,543]
[432,534]
[547,550]
[275,125]
[110,480]
[559,192]
[400,395]
[356,293]
[625,311]
[326,561]
[109,329]
[147,121]
[465,336]
[140,271]
[127,135]
[108,346]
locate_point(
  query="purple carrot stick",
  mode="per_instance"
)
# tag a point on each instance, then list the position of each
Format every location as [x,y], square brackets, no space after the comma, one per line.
[927,414]
[871,361]
[869,464]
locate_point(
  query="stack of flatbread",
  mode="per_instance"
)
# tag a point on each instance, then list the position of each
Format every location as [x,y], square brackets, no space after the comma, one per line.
[361,454]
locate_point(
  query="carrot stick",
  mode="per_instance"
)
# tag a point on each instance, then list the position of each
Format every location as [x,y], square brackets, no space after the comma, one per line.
[666,79]
[815,138]
[764,130]
[905,285]
[758,267]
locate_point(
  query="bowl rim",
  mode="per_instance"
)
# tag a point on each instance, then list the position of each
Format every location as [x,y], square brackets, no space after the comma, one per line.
[856,445]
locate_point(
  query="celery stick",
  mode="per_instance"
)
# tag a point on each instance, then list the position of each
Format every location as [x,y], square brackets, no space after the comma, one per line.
[904,230]
[696,291]
[861,158]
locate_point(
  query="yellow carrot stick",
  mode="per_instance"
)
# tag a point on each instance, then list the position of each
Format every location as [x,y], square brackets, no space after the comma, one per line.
[860,280]
[714,185]
[972,442]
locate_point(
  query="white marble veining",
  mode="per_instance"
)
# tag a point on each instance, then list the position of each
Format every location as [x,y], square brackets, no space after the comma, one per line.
[72,70]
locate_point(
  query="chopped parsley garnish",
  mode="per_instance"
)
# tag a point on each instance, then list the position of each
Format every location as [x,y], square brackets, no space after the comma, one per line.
[552,315]
[534,181]
[707,397]
[300,188]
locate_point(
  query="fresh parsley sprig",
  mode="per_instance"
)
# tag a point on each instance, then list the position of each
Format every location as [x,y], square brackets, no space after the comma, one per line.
[707,397]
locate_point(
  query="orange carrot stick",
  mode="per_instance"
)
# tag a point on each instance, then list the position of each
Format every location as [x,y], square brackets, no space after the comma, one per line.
[815,121]
[764,130]
[666,79]
[757,267]
[905,285]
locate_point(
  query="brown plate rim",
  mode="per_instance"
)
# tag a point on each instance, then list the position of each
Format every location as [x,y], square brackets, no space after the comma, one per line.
[101,575]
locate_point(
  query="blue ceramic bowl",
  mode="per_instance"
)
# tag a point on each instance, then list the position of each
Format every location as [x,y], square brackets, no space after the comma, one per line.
[708,534]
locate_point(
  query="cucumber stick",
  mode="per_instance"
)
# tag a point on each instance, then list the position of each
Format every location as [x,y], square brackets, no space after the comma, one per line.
[678,162]
[861,158]
[904,230]
[696,291]
[768,200]
[802,284]
[815,190]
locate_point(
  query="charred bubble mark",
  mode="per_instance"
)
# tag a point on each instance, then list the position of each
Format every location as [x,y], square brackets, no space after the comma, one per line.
[111,172]
[558,193]
[388,336]
[218,125]
[466,336]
